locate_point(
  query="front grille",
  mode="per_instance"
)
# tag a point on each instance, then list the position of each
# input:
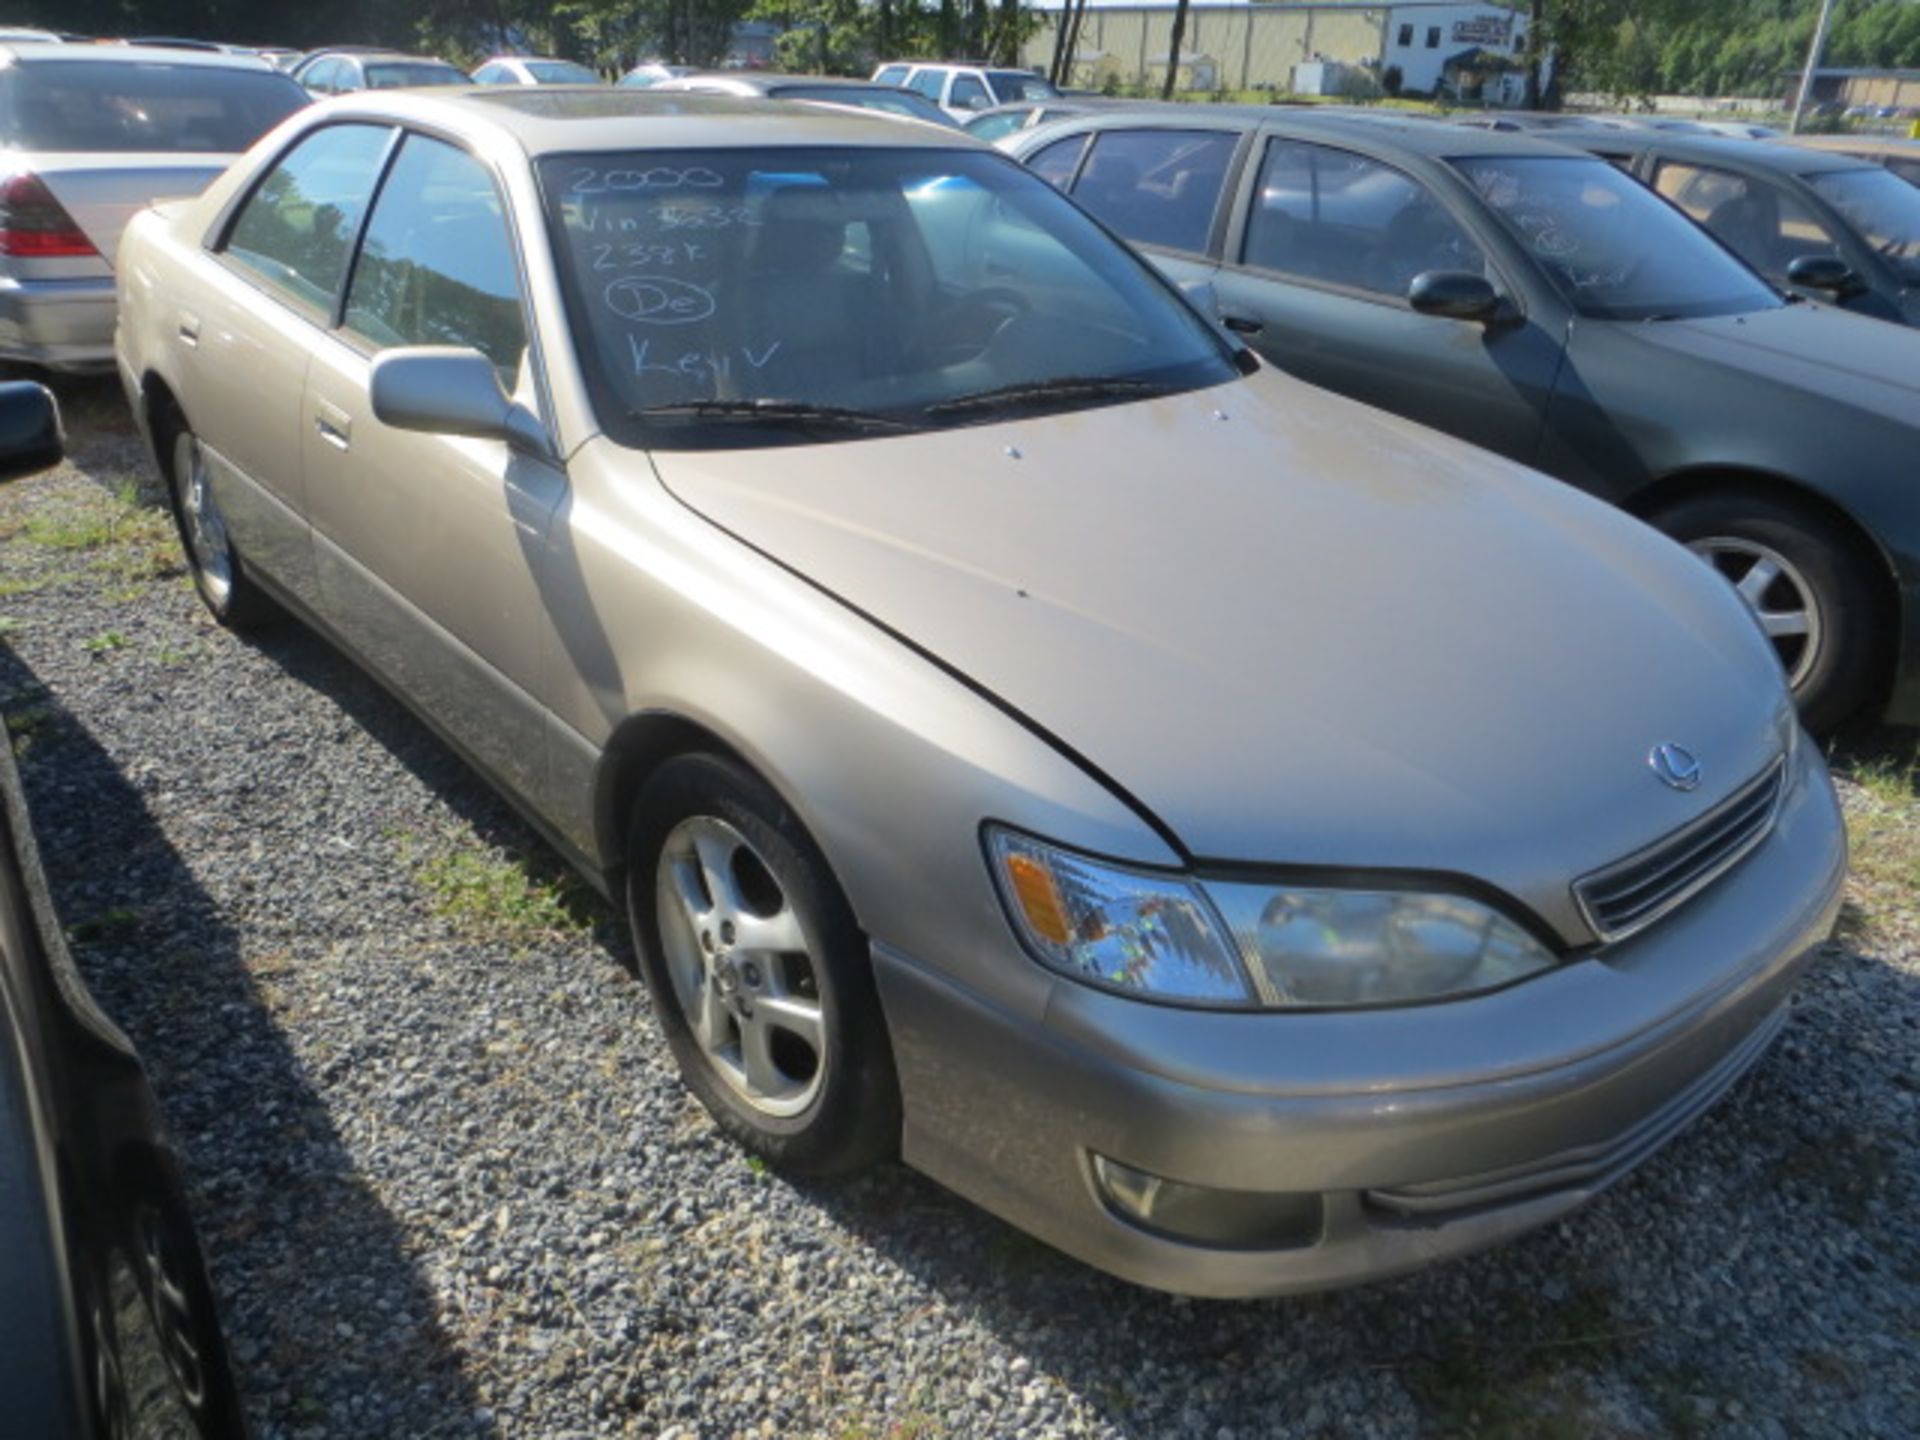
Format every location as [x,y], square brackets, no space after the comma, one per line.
[1637,891]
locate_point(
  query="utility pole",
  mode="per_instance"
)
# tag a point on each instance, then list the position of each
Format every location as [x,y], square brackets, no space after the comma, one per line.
[1814,52]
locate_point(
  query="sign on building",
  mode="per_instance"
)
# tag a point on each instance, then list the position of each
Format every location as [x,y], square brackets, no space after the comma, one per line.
[1484,30]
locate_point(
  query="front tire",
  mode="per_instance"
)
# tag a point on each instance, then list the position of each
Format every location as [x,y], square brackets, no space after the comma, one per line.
[218,575]
[1804,579]
[759,975]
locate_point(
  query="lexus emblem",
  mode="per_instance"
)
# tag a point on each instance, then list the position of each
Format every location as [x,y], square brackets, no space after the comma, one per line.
[1675,766]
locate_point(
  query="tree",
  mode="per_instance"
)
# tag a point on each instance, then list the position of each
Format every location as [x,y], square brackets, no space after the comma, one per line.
[1173,50]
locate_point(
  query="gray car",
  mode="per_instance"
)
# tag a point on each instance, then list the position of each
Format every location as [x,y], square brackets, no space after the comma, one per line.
[1537,302]
[1834,227]
[1253,842]
[93,133]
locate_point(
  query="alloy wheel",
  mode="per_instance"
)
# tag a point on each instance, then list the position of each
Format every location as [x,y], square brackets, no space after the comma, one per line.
[1776,592]
[742,966]
[205,526]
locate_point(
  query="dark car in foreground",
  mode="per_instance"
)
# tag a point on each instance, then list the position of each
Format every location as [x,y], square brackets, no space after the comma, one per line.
[1538,302]
[107,1322]
[1833,227]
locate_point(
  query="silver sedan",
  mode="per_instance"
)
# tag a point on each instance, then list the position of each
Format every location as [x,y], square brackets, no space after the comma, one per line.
[94,134]
[1252,842]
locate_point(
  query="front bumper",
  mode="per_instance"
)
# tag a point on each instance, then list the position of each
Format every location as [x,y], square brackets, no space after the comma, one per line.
[59,324]
[1425,1131]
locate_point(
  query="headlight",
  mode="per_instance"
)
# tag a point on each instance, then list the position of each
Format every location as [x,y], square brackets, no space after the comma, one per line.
[1233,943]
[1125,929]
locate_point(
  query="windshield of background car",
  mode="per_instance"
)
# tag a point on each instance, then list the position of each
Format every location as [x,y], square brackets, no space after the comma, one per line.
[888,102]
[1012,85]
[386,75]
[561,72]
[903,288]
[1885,210]
[141,105]
[1615,249]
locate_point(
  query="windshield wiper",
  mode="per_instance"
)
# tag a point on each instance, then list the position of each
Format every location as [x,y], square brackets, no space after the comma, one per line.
[1032,392]
[778,412]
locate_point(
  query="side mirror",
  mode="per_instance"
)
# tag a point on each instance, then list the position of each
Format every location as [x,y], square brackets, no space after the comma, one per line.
[30,436]
[1455,294]
[1827,273]
[450,390]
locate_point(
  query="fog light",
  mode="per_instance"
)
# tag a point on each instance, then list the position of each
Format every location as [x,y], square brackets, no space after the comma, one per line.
[1203,1215]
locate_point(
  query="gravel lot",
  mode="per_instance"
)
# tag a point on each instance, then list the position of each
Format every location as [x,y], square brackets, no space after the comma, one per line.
[449,1183]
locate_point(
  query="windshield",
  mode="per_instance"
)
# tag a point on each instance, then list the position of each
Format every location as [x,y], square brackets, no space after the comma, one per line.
[1615,249]
[812,293]
[890,102]
[1885,210]
[122,106]
[397,75]
[1012,85]
[561,72]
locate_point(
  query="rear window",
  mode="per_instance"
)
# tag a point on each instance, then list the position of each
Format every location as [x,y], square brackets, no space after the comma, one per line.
[561,72]
[398,75]
[141,105]
[1012,85]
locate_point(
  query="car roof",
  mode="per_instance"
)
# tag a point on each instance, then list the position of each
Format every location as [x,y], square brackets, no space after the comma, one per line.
[1858,144]
[1412,133]
[768,79]
[572,119]
[41,52]
[1722,150]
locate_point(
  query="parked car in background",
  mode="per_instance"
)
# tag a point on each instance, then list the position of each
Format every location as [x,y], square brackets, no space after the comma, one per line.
[824,89]
[340,72]
[532,70]
[1536,120]
[94,133]
[15,34]
[1830,226]
[1000,121]
[962,90]
[1538,302]
[1902,157]
[108,1328]
[1331,848]
[651,73]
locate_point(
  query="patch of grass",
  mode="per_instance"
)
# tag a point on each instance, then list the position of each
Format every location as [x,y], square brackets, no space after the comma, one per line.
[168,655]
[106,927]
[493,894]
[1514,1389]
[10,624]
[29,724]
[914,1425]
[119,520]
[10,588]
[103,642]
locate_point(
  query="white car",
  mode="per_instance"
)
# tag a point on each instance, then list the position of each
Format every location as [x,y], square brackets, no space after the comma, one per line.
[533,70]
[960,90]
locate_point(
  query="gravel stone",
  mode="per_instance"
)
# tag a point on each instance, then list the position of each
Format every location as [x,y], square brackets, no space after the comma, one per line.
[449,1182]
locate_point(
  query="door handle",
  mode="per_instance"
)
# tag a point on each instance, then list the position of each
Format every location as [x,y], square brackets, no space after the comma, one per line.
[1240,325]
[334,424]
[189,329]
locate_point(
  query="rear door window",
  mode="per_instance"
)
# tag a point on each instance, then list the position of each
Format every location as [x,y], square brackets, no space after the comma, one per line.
[970,94]
[890,75]
[437,266]
[1157,187]
[1342,219]
[297,227]
[928,82]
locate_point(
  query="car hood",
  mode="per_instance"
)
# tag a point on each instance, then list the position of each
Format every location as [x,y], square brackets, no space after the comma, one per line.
[1294,629]
[1855,361]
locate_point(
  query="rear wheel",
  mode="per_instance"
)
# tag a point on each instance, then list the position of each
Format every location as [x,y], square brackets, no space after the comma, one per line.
[759,975]
[218,575]
[1804,579]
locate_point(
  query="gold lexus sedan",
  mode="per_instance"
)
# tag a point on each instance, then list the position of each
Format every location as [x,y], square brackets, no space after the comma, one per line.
[1251,841]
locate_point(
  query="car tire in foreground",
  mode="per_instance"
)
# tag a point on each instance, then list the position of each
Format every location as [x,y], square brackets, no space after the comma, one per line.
[218,574]
[1802,576]
[759,974]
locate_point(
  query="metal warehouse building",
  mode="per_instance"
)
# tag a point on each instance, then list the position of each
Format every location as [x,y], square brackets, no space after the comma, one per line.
[1344,47]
